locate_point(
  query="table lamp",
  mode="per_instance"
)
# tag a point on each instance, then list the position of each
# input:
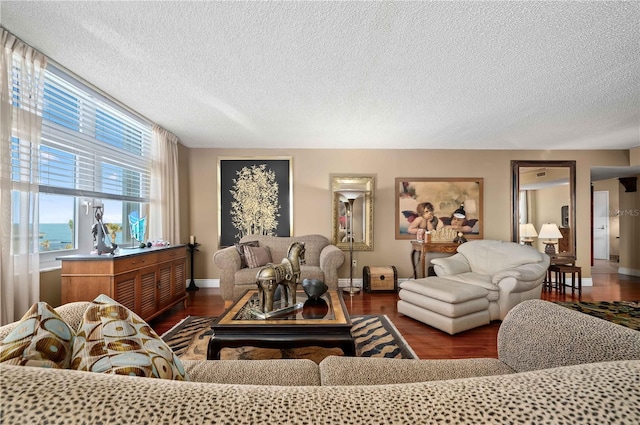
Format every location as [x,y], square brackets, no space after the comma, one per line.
[527,233]
[550,231]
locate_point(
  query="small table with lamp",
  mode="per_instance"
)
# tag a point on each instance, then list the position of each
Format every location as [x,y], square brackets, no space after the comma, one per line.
[561,265]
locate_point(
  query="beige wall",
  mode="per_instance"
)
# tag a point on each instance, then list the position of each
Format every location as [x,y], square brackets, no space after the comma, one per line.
[629,231]
[50,287]
[312,199]
[614,187]
[634,157]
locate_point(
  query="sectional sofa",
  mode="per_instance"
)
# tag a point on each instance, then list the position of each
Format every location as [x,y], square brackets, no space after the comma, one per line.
[554,366]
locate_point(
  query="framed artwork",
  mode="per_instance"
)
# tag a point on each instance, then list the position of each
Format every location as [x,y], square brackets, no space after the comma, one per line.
[438,203]
[255,196]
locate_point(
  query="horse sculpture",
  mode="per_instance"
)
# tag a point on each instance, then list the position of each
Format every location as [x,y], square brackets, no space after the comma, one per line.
[287,274]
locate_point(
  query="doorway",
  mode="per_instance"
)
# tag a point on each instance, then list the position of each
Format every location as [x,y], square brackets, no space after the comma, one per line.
[601,225]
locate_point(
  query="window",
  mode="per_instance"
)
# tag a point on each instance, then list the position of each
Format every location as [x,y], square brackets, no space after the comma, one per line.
[93,152]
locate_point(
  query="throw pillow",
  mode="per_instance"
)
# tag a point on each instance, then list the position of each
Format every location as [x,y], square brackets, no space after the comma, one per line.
[41,338]
[257,256]
[113,339]
[240,247]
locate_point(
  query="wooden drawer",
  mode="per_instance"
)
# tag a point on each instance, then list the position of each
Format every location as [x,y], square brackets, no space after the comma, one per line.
[122,265]
[171,254]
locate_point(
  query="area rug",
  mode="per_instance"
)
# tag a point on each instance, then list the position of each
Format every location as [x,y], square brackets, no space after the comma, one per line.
[625,313]
[374,336]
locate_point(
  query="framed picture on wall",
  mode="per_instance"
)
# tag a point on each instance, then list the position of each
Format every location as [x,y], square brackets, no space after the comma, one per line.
[438,203]
[255,196]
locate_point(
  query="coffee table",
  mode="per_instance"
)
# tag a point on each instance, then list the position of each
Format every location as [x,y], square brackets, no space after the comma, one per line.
[325,323]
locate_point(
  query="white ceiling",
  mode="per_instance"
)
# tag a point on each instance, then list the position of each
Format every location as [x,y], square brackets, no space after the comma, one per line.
[450,75]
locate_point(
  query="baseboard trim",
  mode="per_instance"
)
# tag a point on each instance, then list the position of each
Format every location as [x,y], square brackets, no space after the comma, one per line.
[344,283]
[205,283]
[215,283]
[628,271]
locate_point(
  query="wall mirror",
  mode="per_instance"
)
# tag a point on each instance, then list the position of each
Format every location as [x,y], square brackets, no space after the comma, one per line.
[544,192]
[357,223]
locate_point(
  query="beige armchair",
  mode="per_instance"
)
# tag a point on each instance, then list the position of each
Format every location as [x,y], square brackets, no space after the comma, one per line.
[322,261]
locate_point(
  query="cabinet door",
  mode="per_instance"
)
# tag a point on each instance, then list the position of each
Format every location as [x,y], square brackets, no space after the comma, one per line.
[124,290]
[165,283]
[180,278]
[148,286]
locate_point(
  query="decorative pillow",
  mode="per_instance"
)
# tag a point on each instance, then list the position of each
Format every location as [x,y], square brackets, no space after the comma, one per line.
[240,247]
[257,256]
[112,339]
[41,338]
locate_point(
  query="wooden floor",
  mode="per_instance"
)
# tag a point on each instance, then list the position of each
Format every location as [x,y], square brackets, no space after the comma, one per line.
[428,342]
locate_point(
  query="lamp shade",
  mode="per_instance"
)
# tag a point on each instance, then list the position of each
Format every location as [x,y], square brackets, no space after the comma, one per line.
[350,193]
[550,231]
[528,231]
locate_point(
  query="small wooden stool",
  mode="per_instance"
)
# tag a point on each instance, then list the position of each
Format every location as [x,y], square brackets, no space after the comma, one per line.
[561,272]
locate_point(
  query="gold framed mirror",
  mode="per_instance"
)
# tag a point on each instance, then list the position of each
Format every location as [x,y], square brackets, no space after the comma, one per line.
[544,192]
[355,213]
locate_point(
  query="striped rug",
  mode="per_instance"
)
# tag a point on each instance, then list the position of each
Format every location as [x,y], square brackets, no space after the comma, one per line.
[374,336]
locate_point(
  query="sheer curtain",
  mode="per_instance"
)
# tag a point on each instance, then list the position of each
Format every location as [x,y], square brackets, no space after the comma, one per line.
[164,214]
[21,93]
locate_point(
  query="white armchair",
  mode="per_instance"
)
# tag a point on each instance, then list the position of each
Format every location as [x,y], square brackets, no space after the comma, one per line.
[511,272]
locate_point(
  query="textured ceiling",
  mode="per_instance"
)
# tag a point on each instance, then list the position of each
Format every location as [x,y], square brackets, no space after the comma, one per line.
[451,75]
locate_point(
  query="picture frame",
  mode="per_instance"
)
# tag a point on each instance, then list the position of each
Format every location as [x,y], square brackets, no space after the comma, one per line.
[255,196]
[446,195]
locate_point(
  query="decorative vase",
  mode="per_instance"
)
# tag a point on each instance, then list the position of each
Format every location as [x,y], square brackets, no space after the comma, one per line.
[314,288]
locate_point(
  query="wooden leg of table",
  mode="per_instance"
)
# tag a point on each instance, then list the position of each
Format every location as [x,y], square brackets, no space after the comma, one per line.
[414,265]
[579,282]
[213,349]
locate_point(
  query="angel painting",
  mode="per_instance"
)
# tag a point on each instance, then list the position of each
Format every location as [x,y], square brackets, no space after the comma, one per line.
[435,204]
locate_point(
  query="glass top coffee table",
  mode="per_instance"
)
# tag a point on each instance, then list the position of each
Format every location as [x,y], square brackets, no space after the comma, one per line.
[324,323]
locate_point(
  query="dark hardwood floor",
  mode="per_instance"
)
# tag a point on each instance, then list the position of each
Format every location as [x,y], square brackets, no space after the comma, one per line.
[427,342]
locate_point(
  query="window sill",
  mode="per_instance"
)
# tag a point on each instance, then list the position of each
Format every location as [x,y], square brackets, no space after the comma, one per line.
[50,266]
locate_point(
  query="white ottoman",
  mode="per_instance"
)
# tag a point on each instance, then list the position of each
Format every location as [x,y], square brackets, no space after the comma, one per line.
[445,304]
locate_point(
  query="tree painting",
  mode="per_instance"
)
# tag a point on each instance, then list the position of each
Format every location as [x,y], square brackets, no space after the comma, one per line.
[255,197]
[255,208]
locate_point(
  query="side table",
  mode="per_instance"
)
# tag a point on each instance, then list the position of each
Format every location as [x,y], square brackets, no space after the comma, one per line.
[561,272]
[423,247]
[557,260]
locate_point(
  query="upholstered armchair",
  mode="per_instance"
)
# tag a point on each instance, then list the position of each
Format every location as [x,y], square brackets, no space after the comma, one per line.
[322,261]
[510,272]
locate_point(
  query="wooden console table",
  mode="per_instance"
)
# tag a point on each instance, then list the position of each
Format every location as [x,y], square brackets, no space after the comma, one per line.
[147,281]
[423,247]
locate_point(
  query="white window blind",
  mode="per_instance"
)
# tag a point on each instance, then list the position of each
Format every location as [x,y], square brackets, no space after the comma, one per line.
[91,147]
